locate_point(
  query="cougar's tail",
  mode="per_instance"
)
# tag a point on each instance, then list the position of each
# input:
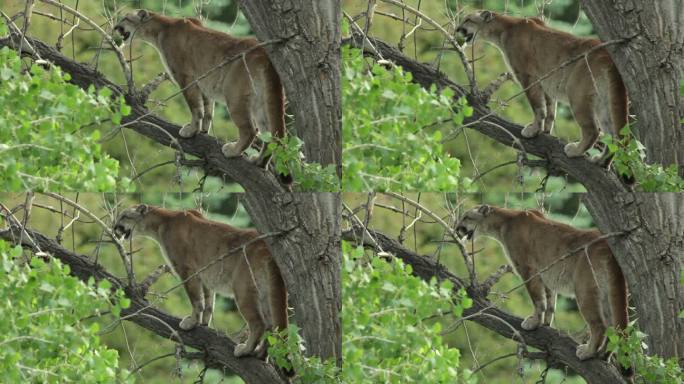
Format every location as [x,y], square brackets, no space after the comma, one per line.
[619,115]
[276,115]
[618,103]
[619,310]
[277,299]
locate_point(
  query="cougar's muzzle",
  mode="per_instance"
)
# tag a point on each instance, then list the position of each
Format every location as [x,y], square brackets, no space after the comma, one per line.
[467,36]
[121,231]
[121,31]
[463,231]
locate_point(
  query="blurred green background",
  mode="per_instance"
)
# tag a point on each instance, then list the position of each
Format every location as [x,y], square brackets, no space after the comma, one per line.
[479,345]
[135,152]
[134,344]
[169,186]
[479,153]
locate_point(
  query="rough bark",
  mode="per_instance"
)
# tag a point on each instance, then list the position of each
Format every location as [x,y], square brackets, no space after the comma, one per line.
[309,254]
[309,65]
[652,66]
[651,220]
[557,348]
[308,62]
[309,258]
[216,346]
[651,257]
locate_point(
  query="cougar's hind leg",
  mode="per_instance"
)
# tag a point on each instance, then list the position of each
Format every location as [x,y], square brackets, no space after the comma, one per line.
[247,301]
[240,113]
[589,303]
[583,110]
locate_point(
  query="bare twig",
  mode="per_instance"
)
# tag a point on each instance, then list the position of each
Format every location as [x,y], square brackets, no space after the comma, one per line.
[125,256]
[466,65]
[452,233]
[571,60]
[495,85]
[152,85]
[119,54]
[28,10]
[581,248]
[240,248]
[153,277]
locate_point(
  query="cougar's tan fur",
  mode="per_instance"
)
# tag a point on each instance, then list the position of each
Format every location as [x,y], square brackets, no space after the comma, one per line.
[248,85]
[198,251]
[533,243]
[592,85]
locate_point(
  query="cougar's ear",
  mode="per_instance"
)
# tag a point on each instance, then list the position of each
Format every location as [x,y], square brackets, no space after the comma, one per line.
[142,209]
[487,16]
[143,14]
[484,210]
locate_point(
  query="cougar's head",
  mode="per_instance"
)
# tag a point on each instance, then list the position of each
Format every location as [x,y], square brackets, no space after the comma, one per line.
[472,24]
[131,22]
[129,219]
[471,221]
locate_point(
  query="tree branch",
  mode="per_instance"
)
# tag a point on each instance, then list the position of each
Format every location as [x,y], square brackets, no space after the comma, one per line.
[217,347]
[144,122]
[483,120]
[309,256]
[558,346]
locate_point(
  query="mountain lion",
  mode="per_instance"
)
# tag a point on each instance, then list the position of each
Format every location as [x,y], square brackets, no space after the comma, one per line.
[591,85]
[197,250]
[551,258]
[196,58]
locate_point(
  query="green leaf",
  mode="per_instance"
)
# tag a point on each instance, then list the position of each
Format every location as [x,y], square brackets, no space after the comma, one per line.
[51,306]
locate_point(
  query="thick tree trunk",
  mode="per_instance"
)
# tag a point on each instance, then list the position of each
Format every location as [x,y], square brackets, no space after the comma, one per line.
[651,257]
[309,258]
[652,66]
[308,62]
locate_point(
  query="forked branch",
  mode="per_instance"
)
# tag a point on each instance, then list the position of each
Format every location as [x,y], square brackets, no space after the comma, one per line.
[217,348]
[557,346]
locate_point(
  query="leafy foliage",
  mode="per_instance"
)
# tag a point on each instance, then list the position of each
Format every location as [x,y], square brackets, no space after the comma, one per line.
[386,337]
[388,143]
[628,159]
[383,299]
[44,336]
[287,159]
[43,143]
[286,350]
[629,351]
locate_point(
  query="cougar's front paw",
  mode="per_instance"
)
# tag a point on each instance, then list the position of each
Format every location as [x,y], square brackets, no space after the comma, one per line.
[188,323]
[188,131]
[531,130]
[583,352]
[531,323]
[230,150]
[241,350]
[573,150]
